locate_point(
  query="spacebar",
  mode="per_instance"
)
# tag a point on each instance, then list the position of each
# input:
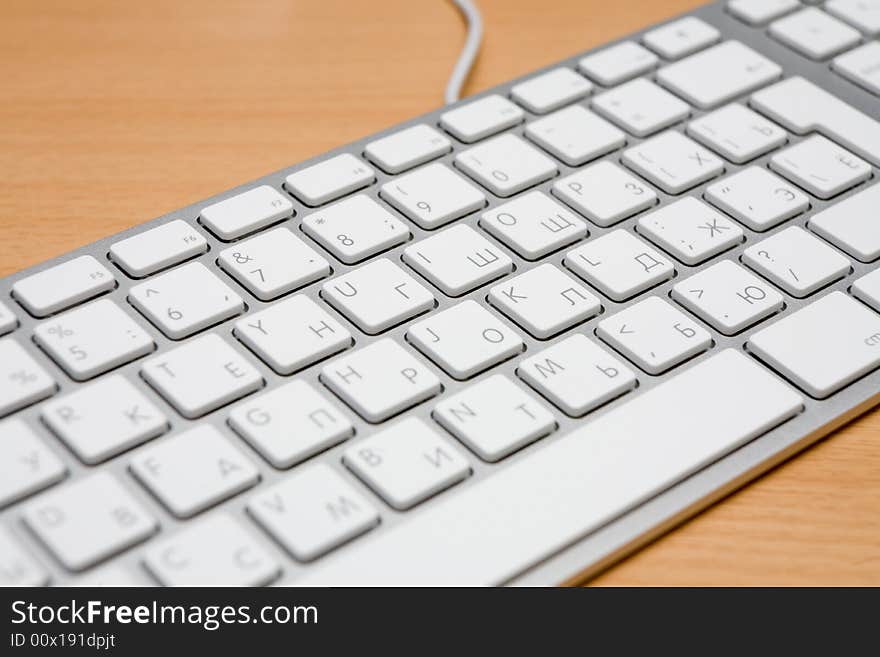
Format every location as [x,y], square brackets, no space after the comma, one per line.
[513,519]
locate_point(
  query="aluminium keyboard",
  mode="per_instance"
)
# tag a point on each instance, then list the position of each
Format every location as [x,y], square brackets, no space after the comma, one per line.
[505,342]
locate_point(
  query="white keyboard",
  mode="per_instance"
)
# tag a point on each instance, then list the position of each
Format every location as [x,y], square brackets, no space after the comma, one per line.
[505,342]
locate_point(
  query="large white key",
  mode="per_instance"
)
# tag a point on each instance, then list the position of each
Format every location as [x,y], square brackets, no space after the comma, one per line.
[481,118]
[408,148]
[292,334]
[93,339]
[166,245]
[619,264]
[796,261]
[727,297]
[737,133]
[330,179]
[756,12]
[201,375]
[26,464]
[814,33]
[355,229]
[533,225]
[246,213]
[861,66]
[103,419]
[290,423]
[690,230]
[380,380]
[63,286]
[823,347]
[407,463]
[215,551]
[23,381]
[465,340]
[597,472]
[113,574]
[618,63]
[862,14]
[17,566]
[377,296]
[577,375]
[719,74]
[457,260]
[194,470]
[506,164]
[605,193]
[88,520]
[544,301]
[654,335]
[433,195]
[757,198]
[8,321]
[494,417]
[185,300]
[867,288]
[312,512]
[673,162]
[273,263]
[820,166]
[641,107]
[851,224]
[551,90]
[575,135]
[681,37]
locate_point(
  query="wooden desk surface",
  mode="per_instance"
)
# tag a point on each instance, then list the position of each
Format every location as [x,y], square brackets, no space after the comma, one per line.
[117,112]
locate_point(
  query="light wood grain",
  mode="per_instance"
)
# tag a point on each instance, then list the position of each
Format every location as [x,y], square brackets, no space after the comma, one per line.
[116,112]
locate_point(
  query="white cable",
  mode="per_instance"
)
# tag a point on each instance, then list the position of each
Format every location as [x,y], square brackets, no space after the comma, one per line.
[469,52]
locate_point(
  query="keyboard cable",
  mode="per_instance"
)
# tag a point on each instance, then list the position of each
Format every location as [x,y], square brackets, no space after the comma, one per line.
[469,51]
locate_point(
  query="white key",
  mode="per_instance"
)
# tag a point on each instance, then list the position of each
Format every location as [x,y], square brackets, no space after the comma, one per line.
[861,66]
[494,417]
[292,334]
[575,135]
[577,375]
[737,133]
[273,263]
[619,264]
[113,574]
[246,213]
[757,198]
[380,380]
[867,288]
[465,339]
[814,33]
[641,107]
[23,381]
[756,12]
[215,551]
[690,230]
[545,301]
[796,261]
[26,465]
[728,297]
[457,260]
[164,246]
[605,193]
[820,166]
[823,347]
[719,74]
[654,335]
[63,286]
[103,419]
[681,37]
[618,63]
[330,179]
[407,463]
[408,148]
[17,566]
[8,321]
[533,225]
[201,375]
[551,90]
[93,339]
[862,14]
[481,118]
[851,224]
[355,229]
[433,195]
[506,164]
[88,520]
[673,162]
[377,296]
[185,300]
[313,511]
[290,423]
